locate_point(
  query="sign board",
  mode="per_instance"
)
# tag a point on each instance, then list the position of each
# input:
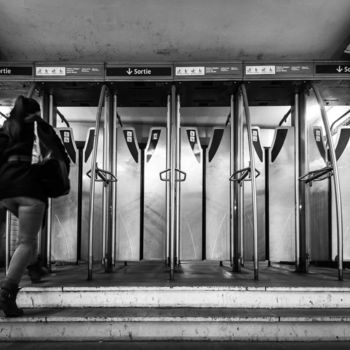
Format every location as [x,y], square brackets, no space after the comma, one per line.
[271,71]
[208,71]
[12,71]
[332,69]
[71,72]
[139,72]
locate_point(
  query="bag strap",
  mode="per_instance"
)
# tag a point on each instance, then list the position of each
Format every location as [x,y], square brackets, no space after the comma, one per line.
[36,150]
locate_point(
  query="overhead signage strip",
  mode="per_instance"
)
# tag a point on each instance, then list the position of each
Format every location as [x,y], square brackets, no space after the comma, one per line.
[146,72]
[332,69]
[16,72]
[287,70]
[51,71]
[208,71]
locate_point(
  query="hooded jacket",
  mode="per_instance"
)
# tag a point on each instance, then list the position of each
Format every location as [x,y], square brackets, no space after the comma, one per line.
[20,178]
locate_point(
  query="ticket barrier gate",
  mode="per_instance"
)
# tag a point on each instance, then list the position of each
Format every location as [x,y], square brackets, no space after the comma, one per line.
[312,97]
[247,252]
[342,152]
[133,240]
[218,239]
[86,179]
[64,210]
[281,196]
[191,208]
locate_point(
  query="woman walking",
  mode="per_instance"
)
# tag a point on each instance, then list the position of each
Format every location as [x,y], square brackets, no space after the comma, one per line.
[21,193]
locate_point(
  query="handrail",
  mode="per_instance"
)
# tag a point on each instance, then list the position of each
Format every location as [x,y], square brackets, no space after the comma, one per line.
[285,117]
[336,182]
[333,128]
[253,183]
[93,176]
[177,171]
[317,175]
[101,176]
[31,90]
[246,172]
[63,118]
[3,115]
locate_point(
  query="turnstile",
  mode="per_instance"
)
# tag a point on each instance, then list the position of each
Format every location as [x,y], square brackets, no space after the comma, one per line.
[154,220]
[218,196]
[248,251]
[281,197]
[65,209]
[343,158]
[128,196]
[191,195]
[97,237]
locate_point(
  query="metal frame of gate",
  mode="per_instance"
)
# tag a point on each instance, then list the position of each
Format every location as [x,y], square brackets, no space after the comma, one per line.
[173,186]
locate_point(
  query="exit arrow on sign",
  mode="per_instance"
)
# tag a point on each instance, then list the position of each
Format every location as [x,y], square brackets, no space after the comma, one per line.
[339,69]
[343,69]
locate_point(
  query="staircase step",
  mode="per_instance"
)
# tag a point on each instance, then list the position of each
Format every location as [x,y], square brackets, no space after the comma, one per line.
[177,296]
[145,324]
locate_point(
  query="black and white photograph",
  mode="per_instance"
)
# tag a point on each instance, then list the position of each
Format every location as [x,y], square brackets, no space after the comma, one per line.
[174,174]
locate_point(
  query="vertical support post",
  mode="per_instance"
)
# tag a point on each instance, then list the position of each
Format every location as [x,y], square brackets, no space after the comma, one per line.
[302,143]
[52,121]
[172,181]
[114,156]
[234,252]
[7,240]
[168,185]
[92,182]
[295,121]
[238,214]
[31,90]
[253,180]
[107,189]
[337,193]
[105,153]
[177,179]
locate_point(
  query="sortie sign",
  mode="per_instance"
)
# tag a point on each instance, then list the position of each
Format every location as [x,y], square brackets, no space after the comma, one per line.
[138,71]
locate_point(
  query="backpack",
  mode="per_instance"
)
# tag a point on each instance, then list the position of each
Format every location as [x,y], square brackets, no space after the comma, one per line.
[51,161]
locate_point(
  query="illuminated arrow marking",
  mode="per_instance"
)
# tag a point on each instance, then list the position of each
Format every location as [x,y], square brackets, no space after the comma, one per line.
[339,69]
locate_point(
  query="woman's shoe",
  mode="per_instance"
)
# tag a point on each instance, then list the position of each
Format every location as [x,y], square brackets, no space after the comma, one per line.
[8,295]
[36,272]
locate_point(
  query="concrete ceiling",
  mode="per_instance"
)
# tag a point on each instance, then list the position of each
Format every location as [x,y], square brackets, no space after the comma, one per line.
[173,30]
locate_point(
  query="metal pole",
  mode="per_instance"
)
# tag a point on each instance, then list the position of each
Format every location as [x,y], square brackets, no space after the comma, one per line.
[114,171]
[8,239]
[92,182]
[232,184]
[108,139]
[296,180]
[172,181]
[177,180]
[31,90]
[238,218]
[337,193]
[253,181]
[105,188]
[240,188]
[49,204]
[168,165]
